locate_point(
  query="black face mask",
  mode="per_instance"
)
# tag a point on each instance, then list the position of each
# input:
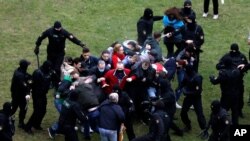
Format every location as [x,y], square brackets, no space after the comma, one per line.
[187,10]
[234,53]
[57,31]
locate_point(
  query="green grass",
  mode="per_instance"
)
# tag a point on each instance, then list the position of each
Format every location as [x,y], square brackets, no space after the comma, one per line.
[99,23]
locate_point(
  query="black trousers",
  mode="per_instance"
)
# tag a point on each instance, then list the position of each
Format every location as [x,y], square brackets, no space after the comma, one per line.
[129,126]
[39,111]
[241,96]
[22,104]
[56,60]
[197,103]
[231,102]
[170,48]
[69,132]
[215,6]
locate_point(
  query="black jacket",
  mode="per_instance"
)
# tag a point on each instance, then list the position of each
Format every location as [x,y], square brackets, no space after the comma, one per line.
[145,28]
[111,115]
[20,84]
[56,44]
[229,80]
[192,84]
[71,110]
[41,83]
[7,125]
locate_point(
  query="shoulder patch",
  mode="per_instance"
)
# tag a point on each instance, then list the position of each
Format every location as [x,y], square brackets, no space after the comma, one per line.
[71,36]
[157,121]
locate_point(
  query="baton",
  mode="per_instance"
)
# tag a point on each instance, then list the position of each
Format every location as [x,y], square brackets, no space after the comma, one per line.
[37,58]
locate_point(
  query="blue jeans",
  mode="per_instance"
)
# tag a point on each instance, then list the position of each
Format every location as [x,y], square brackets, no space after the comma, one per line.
[151,92]
[180,77]
[58,104]
[91,122]
[108,135]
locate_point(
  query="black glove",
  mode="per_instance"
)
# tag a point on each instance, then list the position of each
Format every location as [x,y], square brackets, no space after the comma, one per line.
[204,134]
[211,77]
[82,45]
[36,50]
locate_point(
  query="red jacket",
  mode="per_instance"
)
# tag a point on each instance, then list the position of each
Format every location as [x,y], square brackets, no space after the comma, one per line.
[116,58]
[111,80]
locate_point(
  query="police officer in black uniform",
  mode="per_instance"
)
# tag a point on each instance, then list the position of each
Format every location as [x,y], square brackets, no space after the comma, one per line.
[20,90]
[7,127]
[56,45]
[145,25]
[167,95]
[229,79]
[159,125]
[192,89]
[237,58]
[41,79]
[187,10]
[193,35]
[219,123]
[71,110]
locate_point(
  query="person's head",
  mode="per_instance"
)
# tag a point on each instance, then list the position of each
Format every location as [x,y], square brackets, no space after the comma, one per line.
[57,26]
[145,64]
[75,75]
[101,65]
[120,66]
[157,36]
[7,106]
[77,63]
[228,62]
[118,49]
[132,45]
[85,53]
[113,97]
[148,13]
[24,64]
[105,55]
[234,49]
[191,23]
[68,60]
[215,106]
[187,6]
[189,51]
[173,13]
[47,66]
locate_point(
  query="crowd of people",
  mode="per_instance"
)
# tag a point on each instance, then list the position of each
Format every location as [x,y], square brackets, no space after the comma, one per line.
[129,81]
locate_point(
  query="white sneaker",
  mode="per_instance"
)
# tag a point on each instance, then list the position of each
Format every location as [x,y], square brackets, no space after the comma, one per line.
[204,15]
[178,106]
[215,17]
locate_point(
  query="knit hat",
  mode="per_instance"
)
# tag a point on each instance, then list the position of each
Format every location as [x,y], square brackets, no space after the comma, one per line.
[234,47]
[57,24]
[24,63]
[187,3]
[148,13]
